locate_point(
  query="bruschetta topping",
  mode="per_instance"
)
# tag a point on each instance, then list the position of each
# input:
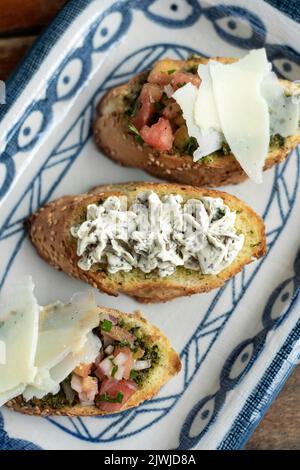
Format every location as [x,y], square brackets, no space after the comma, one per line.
[202,100]
[159,135]
[157,234]
[114,376]
[150,95]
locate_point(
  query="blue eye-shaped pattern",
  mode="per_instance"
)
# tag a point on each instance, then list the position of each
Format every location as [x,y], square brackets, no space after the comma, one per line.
[171,13]
[198,419]
[71,74]
[285,60]
[32,125]
[240,360]
[278,304]
[238,26]
[69,78]
[30,129]
[112,25]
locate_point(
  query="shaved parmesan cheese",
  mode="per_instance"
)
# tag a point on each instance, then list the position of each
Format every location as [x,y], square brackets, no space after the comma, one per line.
[205,111]
[208,141]
[50,379]
[65,341]
[243,111]
[284,113]
[39,347]
[19,320]
[186,98]
[63,329]
[2,353]
[242,104]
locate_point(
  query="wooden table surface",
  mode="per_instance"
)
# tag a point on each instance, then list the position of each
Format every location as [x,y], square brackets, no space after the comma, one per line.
[21,21]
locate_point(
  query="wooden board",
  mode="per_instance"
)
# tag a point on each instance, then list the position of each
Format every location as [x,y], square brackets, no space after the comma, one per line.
[280,428]
[21,16]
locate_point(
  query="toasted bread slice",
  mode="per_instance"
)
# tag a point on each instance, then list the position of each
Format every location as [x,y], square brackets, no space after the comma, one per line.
[218,170]
[49,230]
[168,365]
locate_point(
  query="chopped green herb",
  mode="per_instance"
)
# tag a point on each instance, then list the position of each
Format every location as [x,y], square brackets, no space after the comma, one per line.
[123,343]
[107,398]
[132,111]
[106,325]
[276,141]
[121,322]
[191,145]
[192,69]
[135,330]
[134,374]
[114,370]
[219,214]
[169,72]
[159,106]
[206,160]
[136,133]
[226,149]
[180,84]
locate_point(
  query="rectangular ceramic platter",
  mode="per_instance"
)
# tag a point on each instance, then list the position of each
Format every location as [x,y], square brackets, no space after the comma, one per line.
[237,344]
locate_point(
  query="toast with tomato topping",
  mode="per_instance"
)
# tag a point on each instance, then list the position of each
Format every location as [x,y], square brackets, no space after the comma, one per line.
[50,232]
[139,126]
[134,362]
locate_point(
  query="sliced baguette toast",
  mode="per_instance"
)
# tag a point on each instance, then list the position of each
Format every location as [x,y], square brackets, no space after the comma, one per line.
[168,365]
[49,230]
[113,137]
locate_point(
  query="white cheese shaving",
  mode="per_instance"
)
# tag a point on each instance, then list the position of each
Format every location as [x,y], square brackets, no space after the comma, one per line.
[186,97]
[284,113]
[40,347]
[19,319]
[48,381]
[205,109]
[208,140]
[62,343]
[241,103]
[243,111]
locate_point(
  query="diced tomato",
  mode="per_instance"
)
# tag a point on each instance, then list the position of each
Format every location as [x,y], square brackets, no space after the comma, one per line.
[86,387]
[150,94]
[83,370]
[159,136]
[171,110]
[112,387]
[180,78]
[128,364]
[164,70]
[120,334]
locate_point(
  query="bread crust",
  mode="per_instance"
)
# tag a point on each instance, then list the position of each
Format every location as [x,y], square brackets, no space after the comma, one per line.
[124,150]
[168,366]
[49,231]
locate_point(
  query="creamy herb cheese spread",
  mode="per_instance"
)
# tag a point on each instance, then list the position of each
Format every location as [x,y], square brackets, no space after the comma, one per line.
[160,234]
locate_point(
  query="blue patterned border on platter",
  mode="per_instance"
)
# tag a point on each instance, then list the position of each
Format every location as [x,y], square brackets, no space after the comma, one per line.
[64,157]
